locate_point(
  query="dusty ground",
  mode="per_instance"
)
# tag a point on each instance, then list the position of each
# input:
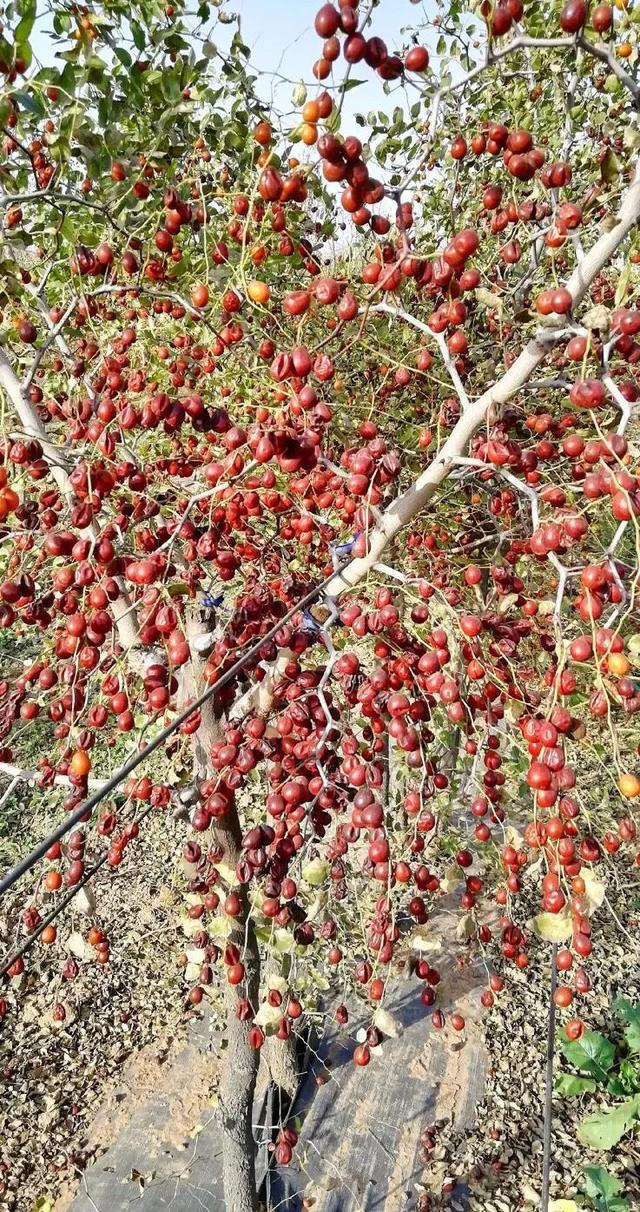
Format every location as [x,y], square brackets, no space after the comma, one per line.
[67,1090]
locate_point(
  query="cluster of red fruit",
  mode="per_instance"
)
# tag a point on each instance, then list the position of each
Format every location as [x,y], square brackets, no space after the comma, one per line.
[573,16]
[342,160]
[300,730]
[42,164]
[330,22]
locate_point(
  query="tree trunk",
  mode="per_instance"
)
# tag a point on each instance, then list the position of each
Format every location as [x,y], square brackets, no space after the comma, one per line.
[281,1059]
[240,1069]
[236,1092]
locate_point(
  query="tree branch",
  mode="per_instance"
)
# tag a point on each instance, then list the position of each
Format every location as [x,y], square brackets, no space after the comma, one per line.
[601,52]
[410,503]
[58,200]
[19,775]
[440,342]
[124,617]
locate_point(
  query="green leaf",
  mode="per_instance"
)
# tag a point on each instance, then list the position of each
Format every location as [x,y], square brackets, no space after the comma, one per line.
[299,94]
[631,137]
[171,86]
[263,933]
[604,1190]
[138,35]
[69,78]
[592,1053]
[630,1015]
[68,229]
[618,1088]
[570,1085]
[30,102]
[604,1129]
[27,10]
[62,23]
[283,941]
[609,166]
[630,1075]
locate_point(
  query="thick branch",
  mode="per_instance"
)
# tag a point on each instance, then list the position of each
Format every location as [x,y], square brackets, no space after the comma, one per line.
[31,423]
[259,697]
[601,52]
[240,1071]
[407,506]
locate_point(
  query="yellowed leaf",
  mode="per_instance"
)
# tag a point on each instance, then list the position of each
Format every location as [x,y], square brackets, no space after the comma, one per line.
[315,872]
[513,838]
[386,1023]
[466,927]
[554,927]
[277,982]
[594,891]
[423,942]
[227,873]
[451,878]
[268,1016]
[633,646]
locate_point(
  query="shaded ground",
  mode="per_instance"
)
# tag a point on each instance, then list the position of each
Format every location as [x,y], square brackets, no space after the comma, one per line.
[360,1145]
[360,1130]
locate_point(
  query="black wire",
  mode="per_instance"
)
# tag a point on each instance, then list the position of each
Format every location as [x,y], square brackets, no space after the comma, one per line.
[61,905]
[132,763]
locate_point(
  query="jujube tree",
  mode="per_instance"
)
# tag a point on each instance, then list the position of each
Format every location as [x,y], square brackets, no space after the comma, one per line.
[241,360]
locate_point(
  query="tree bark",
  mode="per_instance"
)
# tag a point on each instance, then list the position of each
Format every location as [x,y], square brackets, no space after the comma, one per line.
[280,1056]
[240,1068]
[241,1062]
[237,1088]
[281,1060]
